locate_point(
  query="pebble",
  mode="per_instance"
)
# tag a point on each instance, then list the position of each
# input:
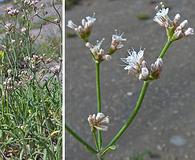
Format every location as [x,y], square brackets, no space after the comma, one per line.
[129,93]
[177,140]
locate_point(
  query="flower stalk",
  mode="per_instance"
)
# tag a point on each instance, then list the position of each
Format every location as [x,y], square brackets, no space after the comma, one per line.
[131,117]
[83,142]
[95,139]
[167,45]
[137,107]
[98,92]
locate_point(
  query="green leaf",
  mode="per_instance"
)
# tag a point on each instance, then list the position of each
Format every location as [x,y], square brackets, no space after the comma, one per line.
[2,54]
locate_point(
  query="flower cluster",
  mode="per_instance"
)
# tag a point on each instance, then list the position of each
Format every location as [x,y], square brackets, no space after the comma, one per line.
[12,11]
[98,121]
[116,43]
[9,27]
[97,51]
[43,67]
[83,30]
[10,83]
[175,30]
[136,65]
[31,2]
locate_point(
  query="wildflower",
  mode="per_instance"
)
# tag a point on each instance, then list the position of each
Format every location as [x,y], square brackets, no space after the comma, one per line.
[116,42]
[136,65]
[26,59]
[9,27]
[156,68]
[97,51]
[98,121]
[23,29]
[31,2]
[144,73]
[55,69]
[83,31]
[162,17]
[134,62]
[180,31]
[175,30]
[12,12]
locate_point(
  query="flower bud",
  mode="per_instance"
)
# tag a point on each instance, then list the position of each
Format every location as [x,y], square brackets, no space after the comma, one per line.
[176,19]
[98,122]
[183,24]
[189,31]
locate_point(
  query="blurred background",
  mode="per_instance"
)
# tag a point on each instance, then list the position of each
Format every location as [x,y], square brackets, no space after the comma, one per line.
[165,126]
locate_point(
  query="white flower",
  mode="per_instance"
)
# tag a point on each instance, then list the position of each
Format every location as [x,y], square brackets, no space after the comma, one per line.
[11,11]
[97,51]
[175,30]
[117,40]
[144,73]
[107,57]
[88,22]
[136,65]
[23,29]
[134,61]
[180,30]
[162,17]
[189,31]
[176,19]
[83,30]
[183,24]
[156,68]
[55,69]
[99,122]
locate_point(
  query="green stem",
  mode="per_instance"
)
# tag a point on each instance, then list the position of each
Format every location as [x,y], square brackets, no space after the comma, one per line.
[95,139]
[98,100]
[75,135]
[164,50]
[131,117]
[138,105]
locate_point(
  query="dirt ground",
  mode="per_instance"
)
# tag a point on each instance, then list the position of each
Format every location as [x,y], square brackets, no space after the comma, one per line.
[165,126]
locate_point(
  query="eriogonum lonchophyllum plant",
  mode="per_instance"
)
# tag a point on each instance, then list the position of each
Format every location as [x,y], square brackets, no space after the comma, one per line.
[134,63]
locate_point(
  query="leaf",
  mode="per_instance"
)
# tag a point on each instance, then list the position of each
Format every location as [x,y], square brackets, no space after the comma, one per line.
[1,133]
[2,54]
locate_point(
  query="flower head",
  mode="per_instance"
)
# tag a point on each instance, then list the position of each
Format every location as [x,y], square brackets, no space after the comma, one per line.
[180,31]
[133,63]
[117,40]
[162,17]
[175,30]
[83,30]
[156,68]
[12,11]
[136,65]
[97,51]
[98,121]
